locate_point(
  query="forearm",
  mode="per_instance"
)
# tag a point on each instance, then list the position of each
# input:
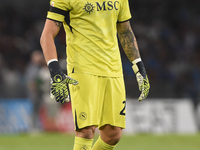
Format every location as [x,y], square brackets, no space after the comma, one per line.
[129,44]
[50,31]
[48,47]
[128,41]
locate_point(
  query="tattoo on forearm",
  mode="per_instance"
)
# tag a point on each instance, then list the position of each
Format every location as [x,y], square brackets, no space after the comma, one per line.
[58,24]
[129,44]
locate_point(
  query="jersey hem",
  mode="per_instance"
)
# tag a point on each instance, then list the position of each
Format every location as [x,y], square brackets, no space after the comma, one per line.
[99,75]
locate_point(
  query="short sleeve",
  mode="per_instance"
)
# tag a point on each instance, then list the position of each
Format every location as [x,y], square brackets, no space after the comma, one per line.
[124,13]
[59,9]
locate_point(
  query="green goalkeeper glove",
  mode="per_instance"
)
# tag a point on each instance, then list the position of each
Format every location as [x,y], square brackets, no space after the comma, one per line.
[59,83]
[142,79]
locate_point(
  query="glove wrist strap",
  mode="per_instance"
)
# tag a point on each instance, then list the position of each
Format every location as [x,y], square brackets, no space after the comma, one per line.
[51,60]
[54,68]
[136,61]
[138,66]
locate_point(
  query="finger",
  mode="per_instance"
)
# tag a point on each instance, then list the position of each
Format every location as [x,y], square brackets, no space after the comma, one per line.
[73,82]
[142,96]
[141,87]
[64,96]
[52,93]
[58,96]
[52,96]
[67,99]
[139,78]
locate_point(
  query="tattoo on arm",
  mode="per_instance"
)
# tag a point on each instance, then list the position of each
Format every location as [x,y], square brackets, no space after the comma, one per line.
[58,24]
[128,42]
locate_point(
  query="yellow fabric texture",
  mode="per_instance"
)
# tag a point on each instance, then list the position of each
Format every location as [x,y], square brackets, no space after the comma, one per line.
[101,145]
[92,45]
[82,143]
[98,101]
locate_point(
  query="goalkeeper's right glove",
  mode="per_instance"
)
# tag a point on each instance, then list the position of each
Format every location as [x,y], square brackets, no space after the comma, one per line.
[142,79]
[59,83]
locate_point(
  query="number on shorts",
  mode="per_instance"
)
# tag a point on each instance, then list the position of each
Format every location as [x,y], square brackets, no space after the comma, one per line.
[122,112]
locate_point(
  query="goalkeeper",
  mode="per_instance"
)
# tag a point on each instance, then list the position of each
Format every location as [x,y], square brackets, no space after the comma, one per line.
[95,76]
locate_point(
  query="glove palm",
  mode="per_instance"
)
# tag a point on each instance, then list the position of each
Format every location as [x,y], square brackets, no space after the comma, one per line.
[59,88]
[144,86]
[142,79]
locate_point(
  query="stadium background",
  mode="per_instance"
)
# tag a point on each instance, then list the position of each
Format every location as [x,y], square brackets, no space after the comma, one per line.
[168,34]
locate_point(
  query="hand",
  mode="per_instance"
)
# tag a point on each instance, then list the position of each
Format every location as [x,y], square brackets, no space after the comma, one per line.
[142,79]
[59,87]
[144,86]
[59,83]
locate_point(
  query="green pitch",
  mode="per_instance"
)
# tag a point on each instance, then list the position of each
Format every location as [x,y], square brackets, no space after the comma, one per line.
[56,141]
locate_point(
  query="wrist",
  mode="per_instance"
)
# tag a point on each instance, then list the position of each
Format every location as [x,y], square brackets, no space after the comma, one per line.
[51,60]
[135,67]
[138,66]
[54,67]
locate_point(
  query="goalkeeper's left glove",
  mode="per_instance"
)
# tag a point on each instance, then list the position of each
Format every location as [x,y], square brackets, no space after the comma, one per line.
[142,79]
[59,83]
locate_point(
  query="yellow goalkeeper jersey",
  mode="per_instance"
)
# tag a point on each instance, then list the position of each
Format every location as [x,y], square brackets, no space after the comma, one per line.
[91,34]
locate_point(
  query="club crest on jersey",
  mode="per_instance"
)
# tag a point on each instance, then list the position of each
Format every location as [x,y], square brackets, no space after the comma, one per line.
[88,7]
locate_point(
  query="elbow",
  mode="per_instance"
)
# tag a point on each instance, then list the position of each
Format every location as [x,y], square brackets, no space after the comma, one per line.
[46,38]
[42,40]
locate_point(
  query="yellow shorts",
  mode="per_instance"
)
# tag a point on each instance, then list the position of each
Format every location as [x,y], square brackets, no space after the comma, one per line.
[98,100]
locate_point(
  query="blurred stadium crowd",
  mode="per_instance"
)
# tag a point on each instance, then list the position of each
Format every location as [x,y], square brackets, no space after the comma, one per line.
[167,31]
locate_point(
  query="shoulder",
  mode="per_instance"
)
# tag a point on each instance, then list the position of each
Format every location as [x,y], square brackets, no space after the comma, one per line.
[62,4]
